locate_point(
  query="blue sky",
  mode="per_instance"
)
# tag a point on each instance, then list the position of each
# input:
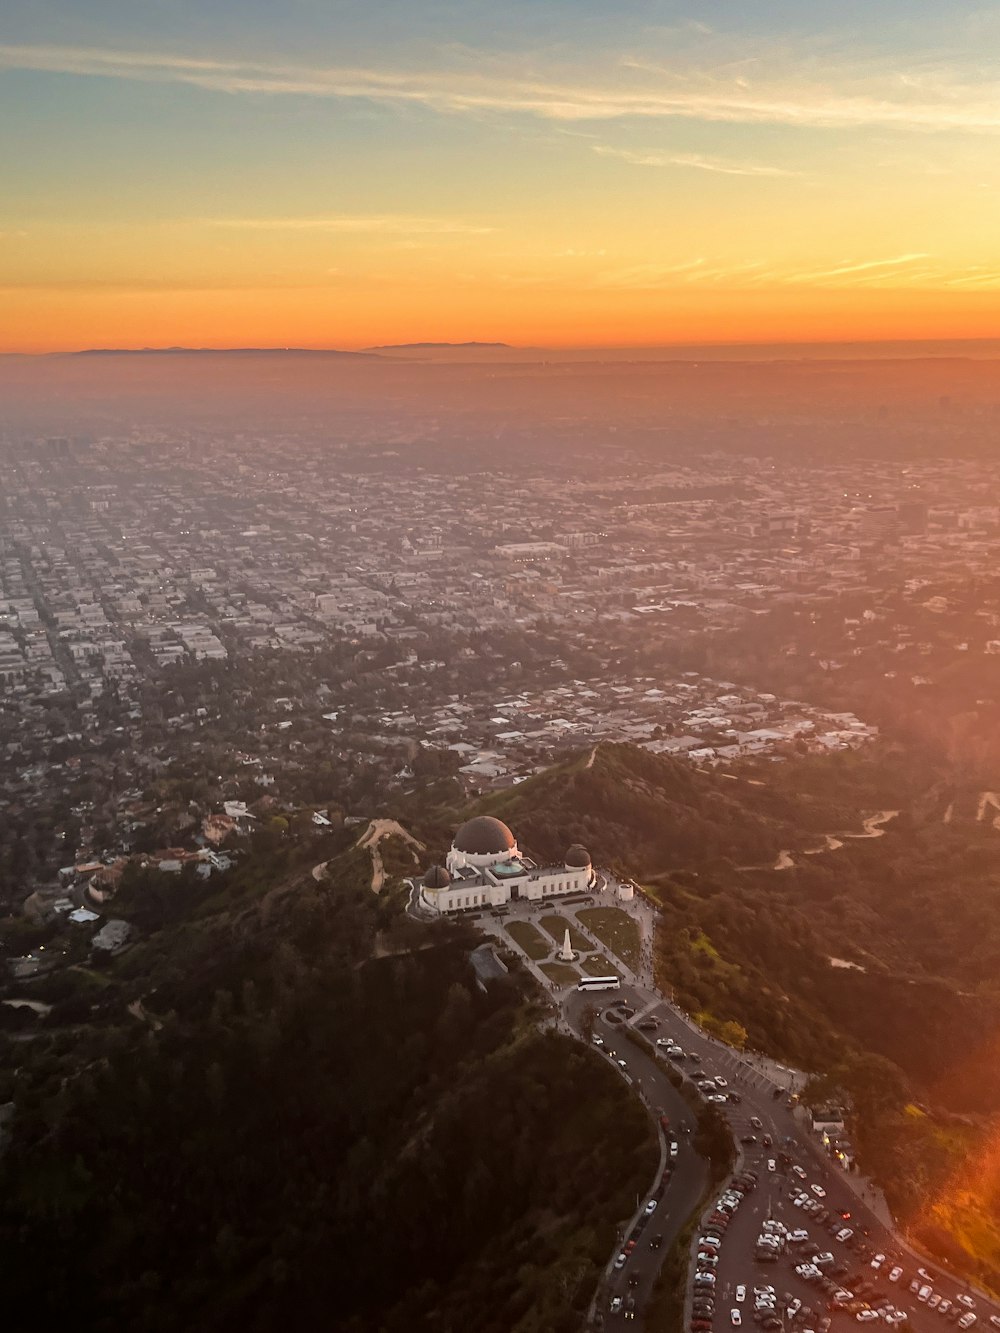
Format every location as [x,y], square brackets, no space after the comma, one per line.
[569,146]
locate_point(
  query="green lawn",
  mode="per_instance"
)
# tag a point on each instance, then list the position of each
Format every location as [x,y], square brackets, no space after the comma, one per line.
[614,928]
[598,966]
[556,927]
[534,944]
[561,973]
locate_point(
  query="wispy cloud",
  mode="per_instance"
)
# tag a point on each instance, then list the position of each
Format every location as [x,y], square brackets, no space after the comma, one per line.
[383,224]
[913,270]
[977,276]
[854,96]
[866,268]
[639,158]
[650,275]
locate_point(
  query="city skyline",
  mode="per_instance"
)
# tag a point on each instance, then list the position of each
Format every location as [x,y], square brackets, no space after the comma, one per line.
[551,175]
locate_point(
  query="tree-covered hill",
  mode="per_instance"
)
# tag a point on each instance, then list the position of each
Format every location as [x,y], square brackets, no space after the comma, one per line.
[872,960]
[645,811]
[888,943]
[290,1127]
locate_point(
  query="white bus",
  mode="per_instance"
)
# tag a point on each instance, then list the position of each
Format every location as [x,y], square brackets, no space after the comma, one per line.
[600,983]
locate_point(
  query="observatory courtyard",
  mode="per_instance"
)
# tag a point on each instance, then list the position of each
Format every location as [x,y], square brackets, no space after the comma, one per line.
[568,921]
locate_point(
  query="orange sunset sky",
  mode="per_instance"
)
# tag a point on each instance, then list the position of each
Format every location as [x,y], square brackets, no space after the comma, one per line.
[555,172]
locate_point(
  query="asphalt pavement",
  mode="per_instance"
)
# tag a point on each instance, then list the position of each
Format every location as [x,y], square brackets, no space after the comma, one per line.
[686,1177]
[763,1089]
[772,1199]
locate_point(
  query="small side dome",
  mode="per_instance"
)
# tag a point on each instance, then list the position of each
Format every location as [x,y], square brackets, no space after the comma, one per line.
[578,858]
[436,878]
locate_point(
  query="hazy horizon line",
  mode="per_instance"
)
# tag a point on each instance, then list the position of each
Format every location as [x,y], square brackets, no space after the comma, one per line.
[494,345]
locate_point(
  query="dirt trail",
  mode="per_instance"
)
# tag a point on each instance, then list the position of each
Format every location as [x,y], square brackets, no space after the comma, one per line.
[873,825]
[373,835]
[38,1006]
[138,1010]
[872,828]
[988,800]
[590,761]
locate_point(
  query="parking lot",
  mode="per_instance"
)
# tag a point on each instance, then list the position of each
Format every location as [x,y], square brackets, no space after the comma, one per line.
[796,1251]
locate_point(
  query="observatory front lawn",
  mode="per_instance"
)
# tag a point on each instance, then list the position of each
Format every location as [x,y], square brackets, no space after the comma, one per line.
[534,944]
[596,965]
[614,928]
[561,973]
[556,927]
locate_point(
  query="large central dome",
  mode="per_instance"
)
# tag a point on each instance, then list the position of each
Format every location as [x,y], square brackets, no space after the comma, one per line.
[484,836]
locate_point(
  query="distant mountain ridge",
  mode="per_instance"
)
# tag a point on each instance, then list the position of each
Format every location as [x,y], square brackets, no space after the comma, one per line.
[216,351]
[429,347]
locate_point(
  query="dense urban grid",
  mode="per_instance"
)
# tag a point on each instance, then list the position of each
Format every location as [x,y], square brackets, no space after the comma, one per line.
[252,620]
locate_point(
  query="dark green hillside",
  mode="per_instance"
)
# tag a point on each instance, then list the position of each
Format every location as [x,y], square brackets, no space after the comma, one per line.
[302,1133]
[874,962]
[916,912]
[646,812]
